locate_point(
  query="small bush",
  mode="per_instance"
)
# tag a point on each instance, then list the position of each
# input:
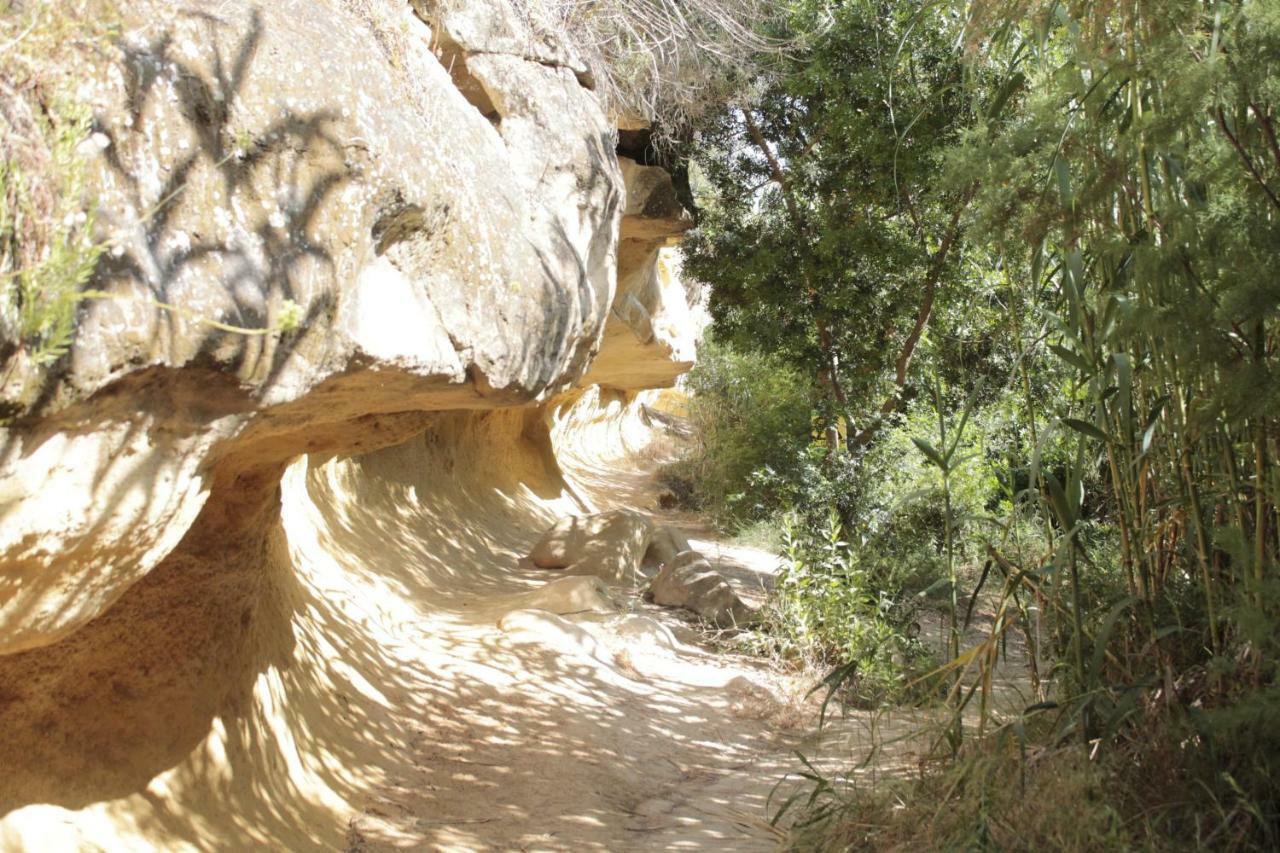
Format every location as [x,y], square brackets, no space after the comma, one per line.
[750,423]
[47,246]
[832,607]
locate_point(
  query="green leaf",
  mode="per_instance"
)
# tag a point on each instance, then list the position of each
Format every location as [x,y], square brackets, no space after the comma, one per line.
[832,682]
[970,402]
[1006,91]
[1037,263]
[1074,359]
[1063,173]
[1073,286]
[1124,376]
[1103,636]
[1058,502]
[931,453]
[1153,421]
[1087,429]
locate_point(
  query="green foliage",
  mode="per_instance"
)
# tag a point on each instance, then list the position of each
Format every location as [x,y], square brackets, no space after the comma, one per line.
[834,605]
[47,246]
[822,212]
[991,799]
[750,419]
[1112,499]
[48,249]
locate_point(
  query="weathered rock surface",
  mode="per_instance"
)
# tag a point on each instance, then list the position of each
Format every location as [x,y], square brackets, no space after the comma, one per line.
[645,630]
[443,254]
[609,545]
[218,548]
[690,582]
[578,594]
[667,543]
[538,627]
[650,335]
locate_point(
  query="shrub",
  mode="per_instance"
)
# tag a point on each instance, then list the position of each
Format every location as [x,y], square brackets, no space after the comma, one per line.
[835,607]
[48,249]
[750,421]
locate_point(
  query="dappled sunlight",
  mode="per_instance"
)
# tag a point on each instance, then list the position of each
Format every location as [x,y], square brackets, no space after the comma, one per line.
[370,660]
[359,666]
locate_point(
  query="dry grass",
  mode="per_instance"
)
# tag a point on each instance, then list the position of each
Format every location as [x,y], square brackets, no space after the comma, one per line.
[990,800]
[661,61]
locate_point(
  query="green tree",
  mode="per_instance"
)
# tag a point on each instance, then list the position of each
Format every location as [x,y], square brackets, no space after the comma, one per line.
[827,232]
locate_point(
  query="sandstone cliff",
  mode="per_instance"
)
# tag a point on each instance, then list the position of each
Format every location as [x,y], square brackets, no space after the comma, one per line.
[199,503]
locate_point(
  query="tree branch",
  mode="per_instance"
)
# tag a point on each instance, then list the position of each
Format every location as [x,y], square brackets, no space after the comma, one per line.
[775,167]
[1244,156]
[1269,131]
[895,400]
[830,371]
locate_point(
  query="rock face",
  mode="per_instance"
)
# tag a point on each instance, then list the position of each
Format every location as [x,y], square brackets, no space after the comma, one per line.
[214,543]
[450,241]
[649,338]
[690,582]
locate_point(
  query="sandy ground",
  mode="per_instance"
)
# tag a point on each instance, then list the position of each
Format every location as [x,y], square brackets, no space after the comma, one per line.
[382,672]
[567,735]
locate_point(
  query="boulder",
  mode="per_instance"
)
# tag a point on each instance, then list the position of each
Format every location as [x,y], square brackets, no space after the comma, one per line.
[690,582]
[645,631]
[609,545]
[569,595]
[540,628]
[667,543]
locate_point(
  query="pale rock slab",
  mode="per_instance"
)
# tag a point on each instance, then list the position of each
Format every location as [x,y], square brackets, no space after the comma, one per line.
[447,230]
[690,582]
[578,594]
[609,545]
[667,543]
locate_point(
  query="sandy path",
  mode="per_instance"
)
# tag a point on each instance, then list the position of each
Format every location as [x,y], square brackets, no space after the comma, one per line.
[556,739]
[568,736]
[370,676]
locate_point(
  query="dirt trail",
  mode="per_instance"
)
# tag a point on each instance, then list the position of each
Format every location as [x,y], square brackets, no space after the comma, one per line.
[559,740]
[577,733]
[392,686]
[574,737]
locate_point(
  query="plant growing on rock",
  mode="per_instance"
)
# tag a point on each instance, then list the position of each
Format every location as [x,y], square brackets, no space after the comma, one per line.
[665,61]
[48,249]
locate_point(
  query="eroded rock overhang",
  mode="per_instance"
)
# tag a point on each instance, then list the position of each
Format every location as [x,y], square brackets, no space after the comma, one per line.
[436,192]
